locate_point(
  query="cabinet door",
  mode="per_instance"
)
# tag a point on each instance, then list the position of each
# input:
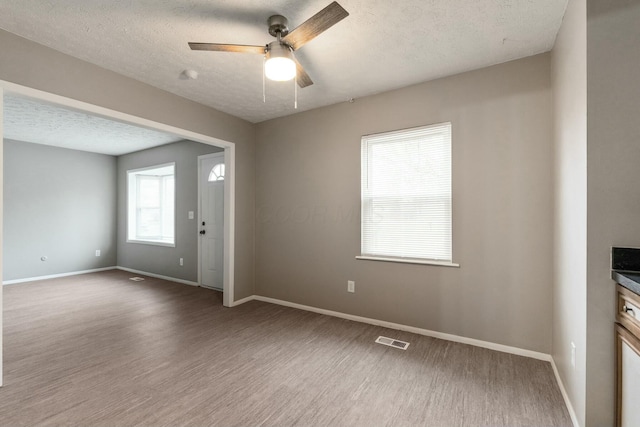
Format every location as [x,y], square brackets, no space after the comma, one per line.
[628,378]
[628,310]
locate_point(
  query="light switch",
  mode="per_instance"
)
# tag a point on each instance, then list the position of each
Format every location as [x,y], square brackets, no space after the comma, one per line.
[190,214]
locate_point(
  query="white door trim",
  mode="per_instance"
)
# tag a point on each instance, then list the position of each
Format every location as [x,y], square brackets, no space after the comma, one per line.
[225,219]
[1,222]
[229,158]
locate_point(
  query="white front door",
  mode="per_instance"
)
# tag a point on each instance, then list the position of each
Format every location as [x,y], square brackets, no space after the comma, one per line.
[211,226]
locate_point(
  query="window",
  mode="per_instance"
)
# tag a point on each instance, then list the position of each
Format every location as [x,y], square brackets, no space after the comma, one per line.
[406,195]
[151,207]
[217,173]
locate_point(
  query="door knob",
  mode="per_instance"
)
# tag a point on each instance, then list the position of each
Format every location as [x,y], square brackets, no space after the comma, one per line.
[202,231]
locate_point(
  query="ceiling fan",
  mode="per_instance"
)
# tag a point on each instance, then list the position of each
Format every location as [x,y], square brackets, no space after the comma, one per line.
[280,63]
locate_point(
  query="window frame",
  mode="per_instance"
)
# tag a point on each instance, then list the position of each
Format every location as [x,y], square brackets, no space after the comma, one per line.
[133,206]
[366,142]
[219,176]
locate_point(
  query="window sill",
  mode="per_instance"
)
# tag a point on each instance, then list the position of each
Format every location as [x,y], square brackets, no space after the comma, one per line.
[409,261]
[152,243]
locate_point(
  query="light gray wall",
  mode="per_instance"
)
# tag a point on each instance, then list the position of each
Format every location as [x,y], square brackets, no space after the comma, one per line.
[33,65]
[613,156]
[308,199]
[58,203]
[159,259]
[569,77]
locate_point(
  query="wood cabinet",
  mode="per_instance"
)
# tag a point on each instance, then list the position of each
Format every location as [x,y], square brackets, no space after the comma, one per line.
[628,358]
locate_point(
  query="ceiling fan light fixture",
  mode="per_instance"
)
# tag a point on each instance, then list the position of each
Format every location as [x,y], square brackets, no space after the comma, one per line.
[279,65]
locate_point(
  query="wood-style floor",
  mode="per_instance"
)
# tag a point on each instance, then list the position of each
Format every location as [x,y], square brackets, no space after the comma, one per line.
[101,350]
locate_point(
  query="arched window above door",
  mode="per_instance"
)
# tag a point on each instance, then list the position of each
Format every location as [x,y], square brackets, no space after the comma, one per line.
[217,173]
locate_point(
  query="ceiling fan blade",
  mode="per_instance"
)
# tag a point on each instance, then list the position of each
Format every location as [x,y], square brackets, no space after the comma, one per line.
[314,26]
[302,77]
[218,47]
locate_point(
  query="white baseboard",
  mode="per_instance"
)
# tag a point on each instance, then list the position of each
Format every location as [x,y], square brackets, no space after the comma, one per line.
[211,288]
[55,276]
[400,327]
[243,300]
[158,276]
[565,396]
[96,270]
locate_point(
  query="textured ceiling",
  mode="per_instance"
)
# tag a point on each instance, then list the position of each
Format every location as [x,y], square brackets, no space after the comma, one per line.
[33,121]
[382,45]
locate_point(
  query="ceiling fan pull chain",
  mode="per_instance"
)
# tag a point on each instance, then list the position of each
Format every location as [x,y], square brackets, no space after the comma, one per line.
[295,92]
[264,90]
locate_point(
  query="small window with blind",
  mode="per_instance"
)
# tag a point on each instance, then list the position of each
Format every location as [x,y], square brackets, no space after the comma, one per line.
[406,196]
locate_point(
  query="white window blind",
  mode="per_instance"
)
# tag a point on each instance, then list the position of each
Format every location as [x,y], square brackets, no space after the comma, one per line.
[406,194]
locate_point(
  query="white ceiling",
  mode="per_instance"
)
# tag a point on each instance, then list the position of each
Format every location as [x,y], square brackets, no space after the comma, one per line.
[382,45]
[33,121]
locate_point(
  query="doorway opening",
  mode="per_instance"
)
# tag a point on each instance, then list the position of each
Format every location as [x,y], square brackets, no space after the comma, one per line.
[228,184]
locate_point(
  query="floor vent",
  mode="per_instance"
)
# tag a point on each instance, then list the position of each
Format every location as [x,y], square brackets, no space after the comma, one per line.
[393,343]
[136,279]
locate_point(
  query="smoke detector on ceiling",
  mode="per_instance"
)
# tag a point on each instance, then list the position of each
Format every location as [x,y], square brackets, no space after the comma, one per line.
[189,75]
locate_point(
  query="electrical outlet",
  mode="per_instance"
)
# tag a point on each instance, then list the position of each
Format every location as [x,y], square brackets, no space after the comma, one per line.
[573,355]
[190,215]
[97,252]
[181,262]
[351,286]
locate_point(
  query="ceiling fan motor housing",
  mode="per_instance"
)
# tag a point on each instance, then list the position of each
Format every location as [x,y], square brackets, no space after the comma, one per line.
[278,49]
[278,24]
